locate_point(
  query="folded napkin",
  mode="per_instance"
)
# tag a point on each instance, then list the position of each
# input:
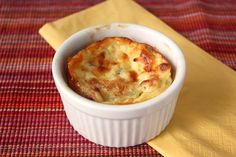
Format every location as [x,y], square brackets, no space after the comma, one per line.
[204,122]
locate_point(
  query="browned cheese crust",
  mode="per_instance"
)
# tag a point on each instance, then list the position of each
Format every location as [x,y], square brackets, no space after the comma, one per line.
[117,70]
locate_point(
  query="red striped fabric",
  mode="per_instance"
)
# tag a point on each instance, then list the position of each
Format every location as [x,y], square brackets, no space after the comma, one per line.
[32,121]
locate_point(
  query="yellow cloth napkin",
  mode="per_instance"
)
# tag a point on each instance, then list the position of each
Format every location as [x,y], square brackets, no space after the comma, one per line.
[204,122]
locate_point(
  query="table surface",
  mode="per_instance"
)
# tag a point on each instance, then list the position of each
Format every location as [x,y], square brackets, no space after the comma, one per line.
[33,122]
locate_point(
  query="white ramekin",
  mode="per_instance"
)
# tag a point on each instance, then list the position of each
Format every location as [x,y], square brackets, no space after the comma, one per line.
[119,125]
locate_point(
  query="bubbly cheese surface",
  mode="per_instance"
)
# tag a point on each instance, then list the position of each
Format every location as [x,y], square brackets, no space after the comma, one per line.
[118,70]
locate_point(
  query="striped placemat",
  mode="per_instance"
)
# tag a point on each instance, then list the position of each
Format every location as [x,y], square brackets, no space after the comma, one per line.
[32,121]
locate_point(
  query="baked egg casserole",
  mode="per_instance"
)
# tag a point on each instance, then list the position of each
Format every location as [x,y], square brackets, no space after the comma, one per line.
[118,70]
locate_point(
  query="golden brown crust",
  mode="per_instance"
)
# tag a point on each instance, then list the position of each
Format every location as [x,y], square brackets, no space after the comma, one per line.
[117,70]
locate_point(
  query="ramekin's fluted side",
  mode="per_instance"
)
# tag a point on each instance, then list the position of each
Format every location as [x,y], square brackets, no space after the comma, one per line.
[119,132]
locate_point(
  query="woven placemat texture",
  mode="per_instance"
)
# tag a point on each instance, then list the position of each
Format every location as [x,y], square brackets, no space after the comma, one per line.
[32,121]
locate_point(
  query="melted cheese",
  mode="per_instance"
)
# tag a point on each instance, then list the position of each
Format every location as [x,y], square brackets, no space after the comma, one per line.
[117,70]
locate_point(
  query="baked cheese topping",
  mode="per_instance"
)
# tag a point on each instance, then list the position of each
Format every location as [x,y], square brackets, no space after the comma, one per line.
[117,70]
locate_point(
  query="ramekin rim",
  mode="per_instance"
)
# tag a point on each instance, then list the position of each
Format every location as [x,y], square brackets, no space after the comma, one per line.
[62,84]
